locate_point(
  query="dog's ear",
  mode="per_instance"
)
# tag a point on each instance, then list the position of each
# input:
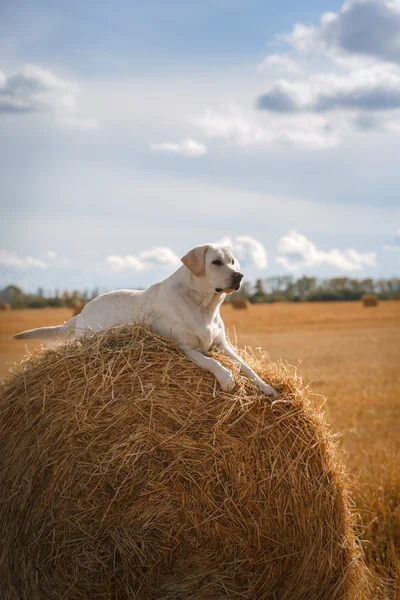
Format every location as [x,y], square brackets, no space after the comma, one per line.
[195,259]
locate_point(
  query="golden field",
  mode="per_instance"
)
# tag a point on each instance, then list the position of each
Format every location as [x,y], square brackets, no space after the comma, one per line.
[348,353]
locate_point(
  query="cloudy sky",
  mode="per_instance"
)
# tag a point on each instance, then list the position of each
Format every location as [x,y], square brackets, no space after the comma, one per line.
[131,131]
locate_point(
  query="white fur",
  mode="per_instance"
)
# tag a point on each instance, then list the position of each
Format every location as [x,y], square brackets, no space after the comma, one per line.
[183,307]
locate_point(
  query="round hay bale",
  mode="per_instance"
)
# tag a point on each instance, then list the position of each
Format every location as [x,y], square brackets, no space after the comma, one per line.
[126,473]
[240,302]
[370,300]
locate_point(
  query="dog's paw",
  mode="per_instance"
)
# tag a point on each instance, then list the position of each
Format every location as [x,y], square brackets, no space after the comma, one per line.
[268,390]
[226,381]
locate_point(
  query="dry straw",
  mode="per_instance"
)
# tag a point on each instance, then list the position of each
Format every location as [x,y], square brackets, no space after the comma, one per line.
[125,473]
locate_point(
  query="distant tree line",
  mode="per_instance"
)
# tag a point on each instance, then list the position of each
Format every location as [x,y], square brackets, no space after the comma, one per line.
[14,297]
[286,288]
[272,289]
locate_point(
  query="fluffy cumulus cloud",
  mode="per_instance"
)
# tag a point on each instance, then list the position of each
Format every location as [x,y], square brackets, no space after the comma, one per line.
[157,257]
[249,251]
[33,89]
[336,79]
[372,89]
[187,147]
[350,70]
[364,27]
[244,127]
[296,252]
[11,260]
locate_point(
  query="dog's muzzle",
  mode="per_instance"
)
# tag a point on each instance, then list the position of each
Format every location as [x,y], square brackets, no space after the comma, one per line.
[236,279]
[235,284]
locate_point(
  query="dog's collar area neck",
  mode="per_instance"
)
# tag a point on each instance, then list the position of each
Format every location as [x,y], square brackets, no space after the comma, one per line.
[208,299]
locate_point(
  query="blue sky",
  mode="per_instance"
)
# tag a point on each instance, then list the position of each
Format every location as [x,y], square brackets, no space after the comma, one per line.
[131,132]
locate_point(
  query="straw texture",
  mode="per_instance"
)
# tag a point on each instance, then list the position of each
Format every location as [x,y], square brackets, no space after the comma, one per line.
[126,473]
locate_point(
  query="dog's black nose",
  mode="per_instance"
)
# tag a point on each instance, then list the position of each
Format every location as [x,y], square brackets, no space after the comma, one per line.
[238,276]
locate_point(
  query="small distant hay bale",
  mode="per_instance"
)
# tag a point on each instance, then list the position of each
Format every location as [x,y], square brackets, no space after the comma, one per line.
[4,305]
[126,473]
[240,302]
[370,300]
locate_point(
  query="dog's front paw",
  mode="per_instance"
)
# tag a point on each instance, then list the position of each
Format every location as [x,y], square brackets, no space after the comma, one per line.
[268,390]
[226,381]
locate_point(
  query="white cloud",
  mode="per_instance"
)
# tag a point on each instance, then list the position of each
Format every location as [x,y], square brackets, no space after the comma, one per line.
[249,251]
[370,89]
[119,263]
[363,40]
[297,252]
[159,256]
[279,62]
[361,27]
[11,260]
[247,128]
[186,147]
[235,126]
[33,89]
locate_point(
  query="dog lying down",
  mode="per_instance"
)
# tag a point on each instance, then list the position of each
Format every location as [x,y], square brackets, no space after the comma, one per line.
[183,307]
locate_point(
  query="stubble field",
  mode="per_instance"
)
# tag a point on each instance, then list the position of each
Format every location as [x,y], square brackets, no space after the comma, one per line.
[351,355]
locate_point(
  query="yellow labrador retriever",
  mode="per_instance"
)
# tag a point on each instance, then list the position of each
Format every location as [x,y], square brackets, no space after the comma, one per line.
[183,307]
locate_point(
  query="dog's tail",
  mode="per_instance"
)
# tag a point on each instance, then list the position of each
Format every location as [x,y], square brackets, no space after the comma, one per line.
[49,334]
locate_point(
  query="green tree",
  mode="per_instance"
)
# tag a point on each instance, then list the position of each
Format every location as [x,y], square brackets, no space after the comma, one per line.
[16,296]
[259,287]
[305,286]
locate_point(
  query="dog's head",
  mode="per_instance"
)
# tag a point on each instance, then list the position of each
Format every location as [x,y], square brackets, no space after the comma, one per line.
[216,265]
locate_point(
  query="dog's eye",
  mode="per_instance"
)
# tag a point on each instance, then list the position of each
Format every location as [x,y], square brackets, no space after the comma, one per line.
[233,261]
[217,262]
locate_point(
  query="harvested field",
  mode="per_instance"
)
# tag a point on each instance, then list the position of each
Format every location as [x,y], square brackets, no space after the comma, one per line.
[350,355]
